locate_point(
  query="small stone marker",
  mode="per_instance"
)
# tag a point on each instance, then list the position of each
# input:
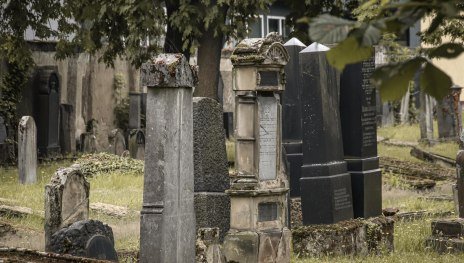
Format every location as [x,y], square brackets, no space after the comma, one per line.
[117,142]
[66,200]
[326,195]
[212,204]
[167,223]
[291,115]
[27,150]
[359,129]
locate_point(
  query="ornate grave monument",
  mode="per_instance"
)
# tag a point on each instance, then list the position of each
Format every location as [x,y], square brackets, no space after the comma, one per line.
[325,184]
[258,216]
[358,118]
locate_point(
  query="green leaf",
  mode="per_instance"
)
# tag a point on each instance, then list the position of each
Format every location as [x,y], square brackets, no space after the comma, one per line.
[347,52]
[435,82]
[327,29]
[393,80]
[448,50]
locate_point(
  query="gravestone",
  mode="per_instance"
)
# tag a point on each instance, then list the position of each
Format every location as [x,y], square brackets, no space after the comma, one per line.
[27,150]
[48,112]
[258,192]
[326,195]
[67,129]
[134,110]
[229,124]
[359,133]
[449,114]
[211,175]
[137,144]
[426,117]
[88,142]
[3,134]
[291,115]
[66,201]
[167,223]
[3,144]
[117,142]
[85,238]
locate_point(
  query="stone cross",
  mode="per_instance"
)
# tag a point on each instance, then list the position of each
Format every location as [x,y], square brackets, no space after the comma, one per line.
[359,130]
[167,223]
[27,150]
[326,195]
[291,115]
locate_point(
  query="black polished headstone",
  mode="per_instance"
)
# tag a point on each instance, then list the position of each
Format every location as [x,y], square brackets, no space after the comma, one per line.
[291,115]
[358,118]
[47,112]
[101,247]
[326,195]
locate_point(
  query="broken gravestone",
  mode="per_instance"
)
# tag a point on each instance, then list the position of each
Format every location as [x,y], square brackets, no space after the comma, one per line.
[66,201]
[27,150]
[86,238]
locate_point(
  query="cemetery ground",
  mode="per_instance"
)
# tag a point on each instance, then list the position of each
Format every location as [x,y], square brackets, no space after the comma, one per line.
[116,196]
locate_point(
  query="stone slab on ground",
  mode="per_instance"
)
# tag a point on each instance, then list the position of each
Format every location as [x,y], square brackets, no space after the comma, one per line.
[351,237]
[448,228]
[108,209]
[23,255]
[6,228]
[15,211]
[445,244]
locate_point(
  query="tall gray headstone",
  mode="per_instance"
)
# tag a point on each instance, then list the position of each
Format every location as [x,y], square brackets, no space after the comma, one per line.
[117,142]
[134,110]
[67,129]
[167,223]
[212,204]
[449,114]
[426,117]
[66,201]
[27,150]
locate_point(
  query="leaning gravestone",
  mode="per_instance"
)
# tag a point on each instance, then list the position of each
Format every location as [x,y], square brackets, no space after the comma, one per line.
[358,119]
[86,238]
[27,150]
[66,201]
[326,195]
[291,115]
[167,223]
[117,142]
[212,204]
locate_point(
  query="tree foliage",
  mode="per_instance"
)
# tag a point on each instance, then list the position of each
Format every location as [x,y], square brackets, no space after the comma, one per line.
[395,17]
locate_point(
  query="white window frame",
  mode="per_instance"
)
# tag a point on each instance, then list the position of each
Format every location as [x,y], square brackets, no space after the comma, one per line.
[281,20]
[262,25]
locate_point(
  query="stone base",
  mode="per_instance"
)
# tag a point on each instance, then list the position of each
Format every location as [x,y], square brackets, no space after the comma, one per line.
[445,244]
[213,210]
[367,193]
[352,237]
[326,199]
[207,246]
[263,246]
[447,236]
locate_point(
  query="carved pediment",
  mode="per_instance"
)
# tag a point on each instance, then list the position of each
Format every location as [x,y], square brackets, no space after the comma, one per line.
[276,54]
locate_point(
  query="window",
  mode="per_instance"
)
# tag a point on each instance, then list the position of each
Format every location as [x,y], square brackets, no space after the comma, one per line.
[276,24]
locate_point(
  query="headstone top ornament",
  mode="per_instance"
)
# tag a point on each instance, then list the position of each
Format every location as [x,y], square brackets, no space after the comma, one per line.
[265,51]
[168,71]
[315,47]
[294,42]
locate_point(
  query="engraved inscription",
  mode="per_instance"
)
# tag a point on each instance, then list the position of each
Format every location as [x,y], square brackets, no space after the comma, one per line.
[342,199]
[267,138]
[268,212]
[269,78]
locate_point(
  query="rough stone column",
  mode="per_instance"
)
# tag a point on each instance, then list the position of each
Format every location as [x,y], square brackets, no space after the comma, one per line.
[27,150]
[426,117]
[167,227]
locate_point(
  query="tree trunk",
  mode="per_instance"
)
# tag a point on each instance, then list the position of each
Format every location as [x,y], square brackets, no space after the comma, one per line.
[209,59]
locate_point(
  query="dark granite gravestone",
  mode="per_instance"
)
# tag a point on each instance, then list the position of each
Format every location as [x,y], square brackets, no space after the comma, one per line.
[449,114]
[67,129]
[291,115]
[325,184]
[47,112]
[358,118]
[101,247]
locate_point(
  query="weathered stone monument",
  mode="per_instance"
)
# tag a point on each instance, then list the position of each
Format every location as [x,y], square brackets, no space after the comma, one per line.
[117,142]
[137,144]
[48,111]
[326,195]
[258,217]
[212,204]
[27,150]
[167,223]
[3,145]
[358,119]
[134,110]
[426,117]
[291,115]
[449,114]
[66,201]
[67,129]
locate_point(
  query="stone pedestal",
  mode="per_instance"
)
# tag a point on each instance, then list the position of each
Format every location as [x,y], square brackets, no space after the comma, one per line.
[326,195]
[259,208]
[167,223]
[358,118]
[291,115]
[27,150]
